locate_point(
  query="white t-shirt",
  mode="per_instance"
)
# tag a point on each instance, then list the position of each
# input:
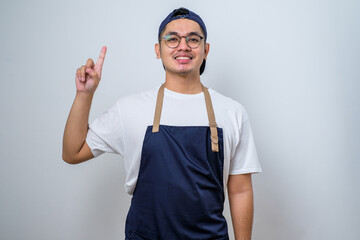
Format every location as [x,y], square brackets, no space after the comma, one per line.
[121,129]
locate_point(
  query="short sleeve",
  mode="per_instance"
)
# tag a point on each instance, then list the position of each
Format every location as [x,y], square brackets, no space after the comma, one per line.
[105,133]
[245,159]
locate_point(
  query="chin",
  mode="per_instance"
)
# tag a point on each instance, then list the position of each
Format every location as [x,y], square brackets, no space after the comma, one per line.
[182,71]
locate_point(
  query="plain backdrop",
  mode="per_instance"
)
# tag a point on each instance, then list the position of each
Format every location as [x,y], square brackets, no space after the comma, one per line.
[293,64]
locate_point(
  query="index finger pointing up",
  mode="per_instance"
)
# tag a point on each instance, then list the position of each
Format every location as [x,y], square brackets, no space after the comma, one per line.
[100,61]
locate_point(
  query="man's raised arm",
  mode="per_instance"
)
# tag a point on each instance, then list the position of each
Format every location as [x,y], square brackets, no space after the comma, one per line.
[75,148]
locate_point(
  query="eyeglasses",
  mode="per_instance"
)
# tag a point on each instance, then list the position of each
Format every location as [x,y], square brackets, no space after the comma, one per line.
[173,40]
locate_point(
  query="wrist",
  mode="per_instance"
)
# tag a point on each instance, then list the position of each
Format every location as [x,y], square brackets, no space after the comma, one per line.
[84,96]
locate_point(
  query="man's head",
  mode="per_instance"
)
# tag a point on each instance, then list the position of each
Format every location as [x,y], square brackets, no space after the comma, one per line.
[176,53]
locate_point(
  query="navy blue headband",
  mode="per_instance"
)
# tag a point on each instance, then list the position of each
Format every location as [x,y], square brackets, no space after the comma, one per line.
[182,13]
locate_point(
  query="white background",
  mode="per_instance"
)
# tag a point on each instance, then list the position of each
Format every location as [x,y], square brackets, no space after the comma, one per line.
[293,64]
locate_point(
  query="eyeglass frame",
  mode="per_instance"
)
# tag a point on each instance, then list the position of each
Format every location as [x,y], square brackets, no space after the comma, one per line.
[180,37]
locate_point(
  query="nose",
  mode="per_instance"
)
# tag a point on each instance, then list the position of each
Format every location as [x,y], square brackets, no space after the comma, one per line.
[183,44]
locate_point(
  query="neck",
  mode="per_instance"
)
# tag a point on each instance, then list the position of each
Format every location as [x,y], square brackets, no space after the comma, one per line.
[183,84]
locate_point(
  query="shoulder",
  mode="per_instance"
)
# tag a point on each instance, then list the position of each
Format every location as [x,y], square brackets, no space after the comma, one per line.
[139,99]
[228,106]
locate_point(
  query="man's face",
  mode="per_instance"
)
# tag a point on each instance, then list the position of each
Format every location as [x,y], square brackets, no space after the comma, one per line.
[182,59]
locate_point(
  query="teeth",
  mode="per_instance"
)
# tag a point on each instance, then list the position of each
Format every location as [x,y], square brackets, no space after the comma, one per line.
[182,58]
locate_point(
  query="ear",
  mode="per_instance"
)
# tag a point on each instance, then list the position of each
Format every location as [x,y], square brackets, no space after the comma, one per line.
[207,48]
[157,50]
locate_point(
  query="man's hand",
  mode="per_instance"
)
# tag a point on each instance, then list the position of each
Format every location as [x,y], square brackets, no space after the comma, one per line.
[88,76]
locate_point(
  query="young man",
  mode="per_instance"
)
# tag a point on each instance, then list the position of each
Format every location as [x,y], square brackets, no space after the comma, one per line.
[178,157]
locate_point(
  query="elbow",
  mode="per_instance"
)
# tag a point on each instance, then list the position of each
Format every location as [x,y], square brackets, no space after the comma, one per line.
[237,192]
[68,159]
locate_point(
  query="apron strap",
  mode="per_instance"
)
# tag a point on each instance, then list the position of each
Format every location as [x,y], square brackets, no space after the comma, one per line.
[212,122]
[209,109]
[159,103]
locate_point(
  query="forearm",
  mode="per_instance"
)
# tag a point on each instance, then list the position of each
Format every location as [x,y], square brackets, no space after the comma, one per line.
[242,211]
[77,125]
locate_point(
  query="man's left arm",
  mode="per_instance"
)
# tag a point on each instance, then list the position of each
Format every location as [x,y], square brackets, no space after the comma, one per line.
[240,195]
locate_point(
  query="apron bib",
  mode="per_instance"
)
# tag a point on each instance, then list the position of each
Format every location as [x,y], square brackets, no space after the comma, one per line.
[179,192]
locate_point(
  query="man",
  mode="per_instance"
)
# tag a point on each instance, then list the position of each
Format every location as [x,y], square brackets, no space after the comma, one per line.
[179,159]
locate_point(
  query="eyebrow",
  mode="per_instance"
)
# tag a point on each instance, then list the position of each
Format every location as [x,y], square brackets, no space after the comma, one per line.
[191,33]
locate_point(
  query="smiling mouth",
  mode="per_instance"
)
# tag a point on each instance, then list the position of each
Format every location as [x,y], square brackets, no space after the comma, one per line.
[183,58]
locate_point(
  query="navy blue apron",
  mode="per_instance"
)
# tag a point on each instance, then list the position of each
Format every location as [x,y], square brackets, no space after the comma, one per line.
[179,192]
